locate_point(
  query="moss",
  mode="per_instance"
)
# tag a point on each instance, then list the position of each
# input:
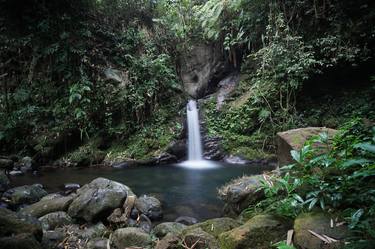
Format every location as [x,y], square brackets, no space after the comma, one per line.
[216,226]
[87,154]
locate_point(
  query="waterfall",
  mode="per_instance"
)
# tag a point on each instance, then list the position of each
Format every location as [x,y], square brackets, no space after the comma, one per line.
[194,135]
[195,154]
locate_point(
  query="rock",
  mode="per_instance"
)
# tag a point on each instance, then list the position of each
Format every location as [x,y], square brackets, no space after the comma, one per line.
[98,199]
[178,149]
[56,219]
[27,164]
[199,68]
[52,238]
[212,149]
[165,228]
[150,206]
[97,243]
[12,223]
[71,186]
[6,164]
[20,241]
[118,218]
[295,139]
[51,196]
[200,239]
[236,160]
[15,173]
[44,207]
[144,223]
[117,76]
[226,86]
[4,181]
[240,193]
[259,232]
[319,223]
[186,220]
[96,231]
[166,158]
[130,237]
[26,194]
[169,242]
[216,226]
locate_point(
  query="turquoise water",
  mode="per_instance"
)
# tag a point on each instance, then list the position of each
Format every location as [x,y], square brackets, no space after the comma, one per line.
[182,191]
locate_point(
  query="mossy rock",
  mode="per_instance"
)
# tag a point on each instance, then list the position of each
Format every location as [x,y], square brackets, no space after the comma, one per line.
[319,223]
[260,232]
[200,238]
[215,226]
[165,228]
[131,237]
[20,241]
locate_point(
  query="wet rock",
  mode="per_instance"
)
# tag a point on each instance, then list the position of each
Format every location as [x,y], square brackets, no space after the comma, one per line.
[56,219]
[4,181]
[26,194]
[12,223]
[20,241]
[97,243]
[186,220]
[150,206]
[236,160]
[178,149]
[240,193]
[216,226]
[51,196]
[15,173]
[212,150]
[134,213]
[166,158]
[27,164]
[259,232]
[144,223]
[295,139]
[169,242]
[165,228]
[200,239]
[130,237]
[71,186]
[98,199]
[319,223]
[6,164]
[44,207]
[96,231]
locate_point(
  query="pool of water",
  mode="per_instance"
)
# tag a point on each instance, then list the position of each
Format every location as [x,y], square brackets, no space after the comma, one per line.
[182,191]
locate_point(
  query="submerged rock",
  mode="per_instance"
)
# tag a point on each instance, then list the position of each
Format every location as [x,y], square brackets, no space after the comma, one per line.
[98,199]
[165,228]
[56,219]
[259,232]
[149,206]
[26,194]
[319,223]
[4,182]
[130,237]
[240,193]
[295,139]
[47,206]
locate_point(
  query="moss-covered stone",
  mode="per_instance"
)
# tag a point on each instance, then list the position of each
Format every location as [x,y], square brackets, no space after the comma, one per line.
[165,228]
[200,238]
[131,237]
[319,223]
[259,232]
[20,241]
[215,226]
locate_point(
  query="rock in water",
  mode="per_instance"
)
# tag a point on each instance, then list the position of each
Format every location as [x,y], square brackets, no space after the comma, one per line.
[149,206]
[98,199]
[186,220]
[4,182]
[319,223]
[240,193]
[47,206]
[259,232]
[27,194]
[131,237]
[56,219]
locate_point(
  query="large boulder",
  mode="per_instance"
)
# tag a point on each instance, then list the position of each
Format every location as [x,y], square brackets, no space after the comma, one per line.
[26,194]
[215,226]
[321,224]
[4,181]
[20,241]
[200,67]
[259,232]
[46,206]
[98,199]
[12,223]
[130,237]
[149,206]
[56,219]
[240,193]
[165,228]
[199,239]
[295,139]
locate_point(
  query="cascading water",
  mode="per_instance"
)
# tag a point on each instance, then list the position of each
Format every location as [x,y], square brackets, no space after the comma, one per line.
[194,135]
[195,153]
